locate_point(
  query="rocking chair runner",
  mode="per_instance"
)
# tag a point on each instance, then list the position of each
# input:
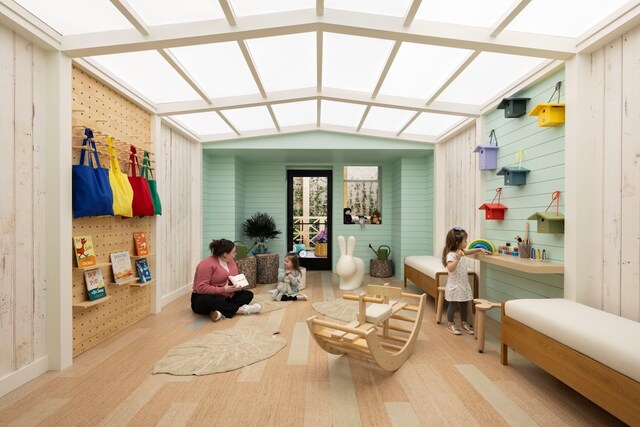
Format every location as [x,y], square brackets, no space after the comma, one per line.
[371,335]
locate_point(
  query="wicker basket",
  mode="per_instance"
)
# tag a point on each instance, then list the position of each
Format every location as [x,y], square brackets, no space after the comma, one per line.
[381,268]
[321,249]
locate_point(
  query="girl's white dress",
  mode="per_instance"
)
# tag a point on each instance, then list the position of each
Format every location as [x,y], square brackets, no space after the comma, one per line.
[458,287]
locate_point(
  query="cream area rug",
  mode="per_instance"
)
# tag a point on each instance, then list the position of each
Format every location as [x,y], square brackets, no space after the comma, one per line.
[220,351]
[268,304]
[339,309]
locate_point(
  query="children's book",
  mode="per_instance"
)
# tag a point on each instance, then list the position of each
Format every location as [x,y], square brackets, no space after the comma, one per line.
[121,266]
[140,241]
[240,280]
[142,266]
[95,284]
[83,248]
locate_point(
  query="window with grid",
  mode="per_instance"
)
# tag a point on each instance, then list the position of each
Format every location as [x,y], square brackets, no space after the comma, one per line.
[362,191]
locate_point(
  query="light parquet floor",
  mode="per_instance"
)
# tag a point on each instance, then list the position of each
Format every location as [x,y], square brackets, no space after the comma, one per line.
[445,381]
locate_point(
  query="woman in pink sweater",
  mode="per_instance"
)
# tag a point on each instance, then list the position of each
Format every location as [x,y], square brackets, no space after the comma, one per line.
[213,293]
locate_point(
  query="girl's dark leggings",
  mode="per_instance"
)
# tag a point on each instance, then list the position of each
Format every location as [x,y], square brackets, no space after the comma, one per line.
[451,310]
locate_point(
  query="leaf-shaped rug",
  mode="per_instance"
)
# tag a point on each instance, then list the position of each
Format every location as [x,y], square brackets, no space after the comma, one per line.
[339,309]
[220,351]
[268,304]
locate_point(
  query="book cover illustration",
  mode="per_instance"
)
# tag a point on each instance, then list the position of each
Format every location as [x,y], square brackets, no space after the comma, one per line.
[121,266]
[144,274]
[239,280]
[140,241]
[83,249]
[95,284]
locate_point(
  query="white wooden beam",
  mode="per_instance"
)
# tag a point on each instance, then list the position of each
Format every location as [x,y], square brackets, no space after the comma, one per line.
[273,117]
[387,66]
[252,66]
[615,25]
[231,126]
[511,13]
[319,55]
[228,12]
[411,13]
[468,60]
[130,14]
[319,7]
[306,20]
[363,118]
[318,112]
[309,93]
[411,120]
[28,26]
[180,69]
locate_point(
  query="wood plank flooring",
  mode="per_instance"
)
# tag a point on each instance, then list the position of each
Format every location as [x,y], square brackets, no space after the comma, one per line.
[445,381]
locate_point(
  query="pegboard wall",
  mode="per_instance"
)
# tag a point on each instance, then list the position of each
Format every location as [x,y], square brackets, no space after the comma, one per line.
[107,113]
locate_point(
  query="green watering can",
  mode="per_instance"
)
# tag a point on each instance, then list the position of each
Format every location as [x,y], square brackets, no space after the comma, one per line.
[242,250]
[382,253]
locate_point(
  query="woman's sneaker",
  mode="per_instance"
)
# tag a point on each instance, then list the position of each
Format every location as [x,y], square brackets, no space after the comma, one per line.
[215,315]
[467,328]
[251,308]
[301,297]
[451,327]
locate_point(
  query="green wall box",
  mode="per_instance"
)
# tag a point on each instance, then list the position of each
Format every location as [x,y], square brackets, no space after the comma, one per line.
[549,222]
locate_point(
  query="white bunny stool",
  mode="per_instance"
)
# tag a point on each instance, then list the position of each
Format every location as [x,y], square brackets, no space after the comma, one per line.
[349,268]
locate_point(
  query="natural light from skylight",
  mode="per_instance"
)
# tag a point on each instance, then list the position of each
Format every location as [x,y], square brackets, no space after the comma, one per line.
[476,13]
[341,113]
[432,124]
[248,119]
[209,123]
[296,113]
[387,119]
[253,7]
[159,12]
[397,8]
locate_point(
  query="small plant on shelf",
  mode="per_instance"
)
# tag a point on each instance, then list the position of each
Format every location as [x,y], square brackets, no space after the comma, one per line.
[260,227]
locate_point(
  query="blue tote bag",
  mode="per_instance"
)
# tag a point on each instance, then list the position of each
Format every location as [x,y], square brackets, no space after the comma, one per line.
[91,192]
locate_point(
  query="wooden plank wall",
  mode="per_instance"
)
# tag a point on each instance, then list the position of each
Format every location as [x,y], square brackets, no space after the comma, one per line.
[176,171]
[106,112]
[22,209]
[615,107]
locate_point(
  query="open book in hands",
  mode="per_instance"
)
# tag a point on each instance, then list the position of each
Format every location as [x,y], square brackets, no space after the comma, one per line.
[239,280]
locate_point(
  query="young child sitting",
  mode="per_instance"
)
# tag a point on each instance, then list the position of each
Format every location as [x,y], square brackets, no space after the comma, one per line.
[289,280]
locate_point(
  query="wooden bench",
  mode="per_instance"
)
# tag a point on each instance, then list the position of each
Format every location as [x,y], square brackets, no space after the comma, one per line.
[594,352]
[428,273]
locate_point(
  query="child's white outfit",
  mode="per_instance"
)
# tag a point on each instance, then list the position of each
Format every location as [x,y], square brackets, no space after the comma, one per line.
[458,286]
[288,286]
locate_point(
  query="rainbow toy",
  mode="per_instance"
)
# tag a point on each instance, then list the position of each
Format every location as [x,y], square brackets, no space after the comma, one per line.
[483,244]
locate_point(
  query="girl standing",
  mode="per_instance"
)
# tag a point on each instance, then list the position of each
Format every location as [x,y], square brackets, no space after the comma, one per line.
[458,291]
[289,280]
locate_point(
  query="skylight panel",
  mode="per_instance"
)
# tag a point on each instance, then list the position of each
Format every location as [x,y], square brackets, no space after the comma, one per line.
[285,62]
[77,16]
[387,119]
[341,113]
[252,7]
[296,113]
[353,62]
[219,68]
[489,74]
[209,123]
[432,124]
[397,8]
[419,70]
[568,18]
[149,74]
[464,12]
[252,118]
[159,12]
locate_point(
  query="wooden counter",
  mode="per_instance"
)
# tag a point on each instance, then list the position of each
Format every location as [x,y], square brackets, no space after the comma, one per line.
[521,264]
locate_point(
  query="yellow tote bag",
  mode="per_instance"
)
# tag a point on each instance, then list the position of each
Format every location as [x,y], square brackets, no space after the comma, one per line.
[122,191]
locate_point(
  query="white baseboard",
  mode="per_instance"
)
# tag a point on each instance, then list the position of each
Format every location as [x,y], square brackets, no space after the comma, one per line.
[166,299]
[23,375]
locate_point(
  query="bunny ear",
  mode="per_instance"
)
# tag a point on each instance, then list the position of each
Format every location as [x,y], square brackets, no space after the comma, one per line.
[351,245]
[341,245]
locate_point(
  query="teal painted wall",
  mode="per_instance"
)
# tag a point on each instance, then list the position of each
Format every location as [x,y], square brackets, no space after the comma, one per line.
[237,183]
[544,156]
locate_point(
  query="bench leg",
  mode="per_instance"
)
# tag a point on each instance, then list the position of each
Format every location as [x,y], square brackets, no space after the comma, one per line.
[440,304]
[504,353]
[480,317]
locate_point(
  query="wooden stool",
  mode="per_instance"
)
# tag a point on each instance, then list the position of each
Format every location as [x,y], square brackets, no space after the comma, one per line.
[482,305]
[248,266]
[267,268]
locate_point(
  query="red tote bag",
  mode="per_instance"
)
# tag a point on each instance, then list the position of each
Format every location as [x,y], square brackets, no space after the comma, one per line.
[142,202]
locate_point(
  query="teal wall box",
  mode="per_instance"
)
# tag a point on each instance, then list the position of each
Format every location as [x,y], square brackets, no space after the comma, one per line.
[514,175]
[513,107]
[488,153]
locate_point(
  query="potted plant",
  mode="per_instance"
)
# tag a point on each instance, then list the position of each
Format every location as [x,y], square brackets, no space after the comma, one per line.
[321,243]
[260,227]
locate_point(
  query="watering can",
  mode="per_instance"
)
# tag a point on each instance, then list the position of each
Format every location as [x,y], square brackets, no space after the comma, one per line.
[382,253]
[242,250]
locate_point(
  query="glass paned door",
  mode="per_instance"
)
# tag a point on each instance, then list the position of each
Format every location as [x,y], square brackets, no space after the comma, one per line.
[309,216]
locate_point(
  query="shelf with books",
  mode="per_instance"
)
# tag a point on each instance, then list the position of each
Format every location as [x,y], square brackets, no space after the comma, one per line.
[124,282]
[141,284]
[92,267]
[86,304]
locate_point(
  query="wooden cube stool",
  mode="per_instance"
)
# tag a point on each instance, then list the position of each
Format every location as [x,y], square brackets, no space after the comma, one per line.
[482,305]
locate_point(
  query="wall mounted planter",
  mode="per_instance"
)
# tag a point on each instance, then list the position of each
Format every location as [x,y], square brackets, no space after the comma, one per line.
[513,107]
